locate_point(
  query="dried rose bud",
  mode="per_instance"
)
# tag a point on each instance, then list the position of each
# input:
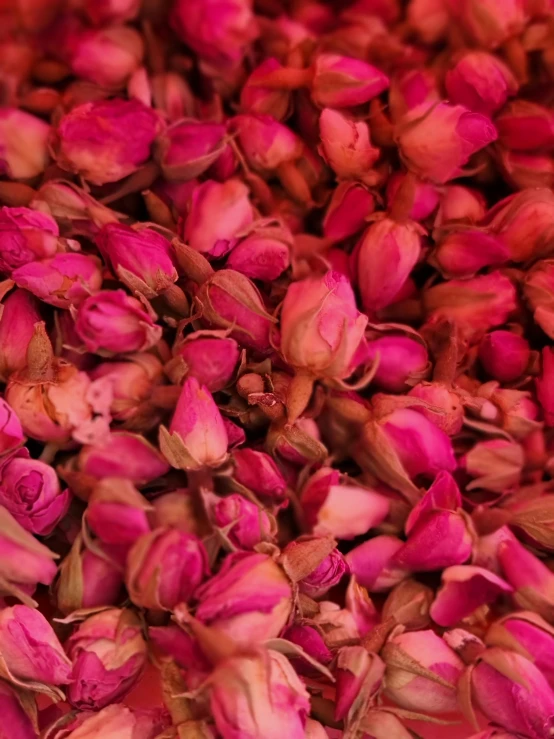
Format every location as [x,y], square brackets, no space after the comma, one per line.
[264,253]
[311,641]
[459,203]
[504,355]
[531,579]
[219,32]
[113,722]
[347,211]
[264,100]
[440,539]
[525,126]
[106,56]
[197,436]
[333,505]
[209,356]
[17,322]
[177,509]
[104,12]
[125,455]
[343,82]
[386,243]
[522,170]
[11,432]
[403,361]
[112,322]
[539,291]
[463,252]
[372,563]
[249,599]
[481,82]
[429,19]
[350,624]
[258,472]
[416,89]
[488,24]
[475,305]
[188,148]
[359,675]
[426,196]
[265,142]
[422,672]
[441,405]
[93,140]
[496,464]
[259,694]
[324,576]
[30,490]
[108,653]
[32,656]
[184,649]
[229,300]
[63,280]
[164,568]
[464,589]
[25,235]
[455,133]
[346,146]
[16,719]
[242,522]
[217,236]
[18,161]
[527,634]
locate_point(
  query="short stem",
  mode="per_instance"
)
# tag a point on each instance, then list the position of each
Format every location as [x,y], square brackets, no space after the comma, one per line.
[195,266]
[177,300]
[298,395]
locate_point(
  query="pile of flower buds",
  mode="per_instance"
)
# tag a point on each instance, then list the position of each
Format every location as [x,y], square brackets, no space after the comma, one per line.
[276,369]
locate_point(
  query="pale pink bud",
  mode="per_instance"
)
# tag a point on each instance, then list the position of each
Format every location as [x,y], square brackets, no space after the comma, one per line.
[259,694]
[63,280]
[197,436]
[125,455]
[435,693]
[464,589]
[322,577]
[242,522]
[264,100]
[209,356]
[107,56]
[265,142]
[386,255]
[525,126]
[545,386]
[312,642]
[531,579]
[513,693]
[438,540]
[346,146]
[463,252]
[343,82]
[258,472]
[504,355]
[219,32]
[104,12]
[112,322]
[321,327]
[25,235]
[31,492]
[347,211]
[217,236]
[481,82]
[113,722]
[488,23]
[17,320]
[249,599]
[93,141]
[403,361]
[23,144]
[334,505]
[429,18]
[359,675]
[16,720]
[415,89]
[475,305]
[264,253]
[108,653]
[188,148]
[459,203]
[164,568]
[372,563]
[439,143]
[426,196]
[31,652]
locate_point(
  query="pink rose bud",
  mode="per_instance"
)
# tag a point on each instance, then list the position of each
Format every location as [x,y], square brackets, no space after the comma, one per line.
[325,576]
[229,300]
[109,654]
[30,490]
[188,148]
[16,719]
[176,509]
[441,405]
[258,472]
[22,162]
[416,89]
[384,244]
[164,568]
[372,563]
[17,321]
[104,12]
[403,361]
[439,540]
[347,211]
[343,82]
[464,589]
[63,280]
[512,693]
[538,288]
[259,694]
[265,142]
[481,82]
[219,32]
[197,436]
[504,355]
[456,134]
[425,197]
[113,722]
[531,579]
[312,642]
[459,203]
[209,356]
[463,252]
[264,253]
[527,634]
[141,258]
[522,170]
[359,675]
[331,505]
[429,19]
[489,24]
[32,656]
[106,56]
[11,432]
[217,236]
[525,126]
[249,599]
[475,305]
[264,100]
[242,522]
[112,322]
[184,649]
[124,455]
[544,386]
[422,672]
[93,141]
[25,236]
[346,146]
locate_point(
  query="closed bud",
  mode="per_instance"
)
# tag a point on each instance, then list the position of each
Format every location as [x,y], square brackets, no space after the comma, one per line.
[440,539]
[22,162]
[347,211]
[525,126]
[112,722]
[314,563]
[106,56]
[311,641]
[408,604]
[504,355]
[490,23]
[188,148]
[242,522]
[265,142]
[463,252]
[264,100]
[25,236]
[429,18]
[359,675]
[209,356]
[440,405]
[413,90]
[346,146]
[258,472]
[460,203]
[17,324]
[426,196]
[482,83]
[522,170]
[264,252]
[104,12]
[532,581]
[373,565]
[343,82]
[172,93]
[539,291]
[527,634]
[403,361]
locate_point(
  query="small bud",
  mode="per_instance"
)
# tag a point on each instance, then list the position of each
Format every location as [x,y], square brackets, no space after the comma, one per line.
[17,325]
[462,204]
[463,252]
[530,578]
[525,222]
[403,361]
[440,539]
[426,196]
[25,236]
[106,56]
[372,563]
[539,292]
[343,82]
[188,148]
[22,162]
[311,641]
[258,472]
[209,356]
[413,90]
[264,100]
[266,143]
[429,18]
[490,24]
[314,563]
[243,523]
[482,83]
[63,280]
[264,253]
[347,211]
[346,146]
[408,604]
[525,126]
[504,355]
